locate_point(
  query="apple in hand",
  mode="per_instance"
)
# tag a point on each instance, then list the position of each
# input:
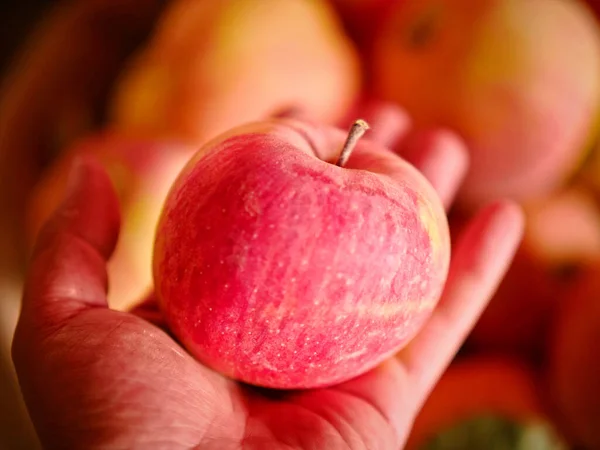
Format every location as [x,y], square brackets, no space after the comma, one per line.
[142,173]
[485,403]
[213,65]
[518,80]
[283,263]
[574,369]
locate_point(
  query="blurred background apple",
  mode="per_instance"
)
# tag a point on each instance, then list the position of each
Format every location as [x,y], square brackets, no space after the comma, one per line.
[486,403]
[574,371]
[211,66]
[562,240]
[518,79]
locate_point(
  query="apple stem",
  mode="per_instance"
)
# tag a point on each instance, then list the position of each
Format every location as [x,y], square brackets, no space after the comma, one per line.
[357,130]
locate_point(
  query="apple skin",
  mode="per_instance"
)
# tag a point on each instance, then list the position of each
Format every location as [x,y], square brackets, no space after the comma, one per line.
[213,65]
[548,263]
[478,386]
[279,269]
[504,75]
[574,368]
[142,172]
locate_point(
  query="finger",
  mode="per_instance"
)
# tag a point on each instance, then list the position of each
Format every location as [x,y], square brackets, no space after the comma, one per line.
[483,255]
[67,272]
[389,123]
[441,156]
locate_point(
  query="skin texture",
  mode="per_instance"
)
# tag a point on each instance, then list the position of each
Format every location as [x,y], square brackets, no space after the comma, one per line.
[280,269]
[211,66]
[475,387]
[131,385]
[142,173]
[550,261]
[502,73]
[574,372]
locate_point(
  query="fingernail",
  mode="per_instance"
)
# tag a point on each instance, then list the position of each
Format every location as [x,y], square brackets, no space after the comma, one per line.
[505,225]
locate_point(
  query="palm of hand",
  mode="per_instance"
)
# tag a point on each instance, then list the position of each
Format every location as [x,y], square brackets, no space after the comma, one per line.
[125,370]
[97,378]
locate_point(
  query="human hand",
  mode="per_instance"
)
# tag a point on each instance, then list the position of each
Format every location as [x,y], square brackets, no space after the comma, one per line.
[97,378]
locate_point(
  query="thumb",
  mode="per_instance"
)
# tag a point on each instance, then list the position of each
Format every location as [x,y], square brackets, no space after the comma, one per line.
[67,272]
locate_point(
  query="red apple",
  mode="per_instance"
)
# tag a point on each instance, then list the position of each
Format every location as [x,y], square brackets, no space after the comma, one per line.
[277,267]
[574,372]
[142,173]
[562,238]
[518,80]
[485,403]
